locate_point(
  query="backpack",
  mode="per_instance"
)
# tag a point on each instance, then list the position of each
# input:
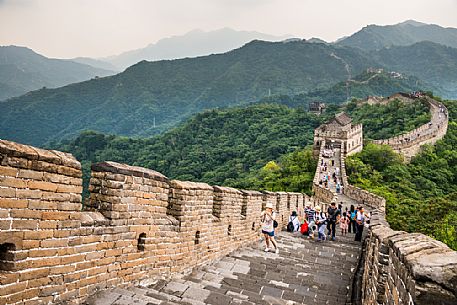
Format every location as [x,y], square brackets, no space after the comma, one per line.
[304,228]
[275,224]
[290,226]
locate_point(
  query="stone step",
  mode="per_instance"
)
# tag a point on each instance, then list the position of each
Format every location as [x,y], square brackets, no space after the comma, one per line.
[304,272]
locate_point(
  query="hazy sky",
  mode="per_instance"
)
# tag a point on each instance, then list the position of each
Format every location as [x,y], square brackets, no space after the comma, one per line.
[96,28]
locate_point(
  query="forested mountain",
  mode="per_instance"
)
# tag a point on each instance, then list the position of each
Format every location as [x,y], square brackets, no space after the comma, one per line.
[368,83]
[192,44]
[231,146]
[433,63]
[375,37]
[421,195]
[166,92]
[22,70]
[151,97]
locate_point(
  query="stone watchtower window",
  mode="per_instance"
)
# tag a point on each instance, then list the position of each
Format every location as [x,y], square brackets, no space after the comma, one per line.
[7,257]
[197,238]
[141,241]
[229,230]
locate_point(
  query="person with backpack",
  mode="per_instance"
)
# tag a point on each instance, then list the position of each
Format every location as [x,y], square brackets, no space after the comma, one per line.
[267,219]
[320,220]
[310,213]
[360,222]
[293,225]
[334,215]
[352,223]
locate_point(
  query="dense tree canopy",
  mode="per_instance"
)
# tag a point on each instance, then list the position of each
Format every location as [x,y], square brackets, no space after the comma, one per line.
[421,195]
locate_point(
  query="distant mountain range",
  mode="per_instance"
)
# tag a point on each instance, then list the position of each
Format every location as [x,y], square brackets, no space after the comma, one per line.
[376,37]
[151,97]
[166,92]
[192,44]
[22,70]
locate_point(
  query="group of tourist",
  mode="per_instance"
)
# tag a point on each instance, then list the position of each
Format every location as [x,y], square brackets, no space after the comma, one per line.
[314,220]
[327,177]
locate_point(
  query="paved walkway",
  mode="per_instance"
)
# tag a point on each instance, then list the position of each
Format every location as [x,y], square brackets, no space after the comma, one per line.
[304,272]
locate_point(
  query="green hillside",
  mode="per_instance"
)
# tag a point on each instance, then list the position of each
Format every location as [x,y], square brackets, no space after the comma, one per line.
[152,97]
[169,91]
[422,195]
[22,70]
[232,146]
[433,63]
[380,83]
[375,37]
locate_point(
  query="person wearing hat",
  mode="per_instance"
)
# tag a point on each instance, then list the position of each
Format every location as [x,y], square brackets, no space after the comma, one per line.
[267,219]
[320,220]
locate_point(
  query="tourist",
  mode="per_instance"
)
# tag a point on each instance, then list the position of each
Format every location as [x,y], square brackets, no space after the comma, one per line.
[310,213]
[320,220]
[360,221]
[352,215]
[344,223]
[294,223]
[267,218]
[334,215]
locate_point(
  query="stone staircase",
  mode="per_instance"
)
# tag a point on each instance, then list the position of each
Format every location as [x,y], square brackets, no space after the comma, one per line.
[304,272]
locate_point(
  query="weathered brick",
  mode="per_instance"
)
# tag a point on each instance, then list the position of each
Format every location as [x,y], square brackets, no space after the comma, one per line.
[40,235]
[23,296]
[42,205]
[12,288]
[51,290]
[62,188]
[7,192]
[5,224]
[55,196]
[8,171]
[7,203]
[46,262]
[42,185]
[34,283]
[53,243]
[30,244]
[42,252]
[8,278]
[48,224]
[63,269]
[23,213]
[69,224]
[12,182]
[72,259]
[28,194]
[24,224]
[30,174]
[55,215]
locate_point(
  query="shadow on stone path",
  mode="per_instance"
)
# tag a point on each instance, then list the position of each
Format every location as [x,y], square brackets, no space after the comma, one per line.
[304,272]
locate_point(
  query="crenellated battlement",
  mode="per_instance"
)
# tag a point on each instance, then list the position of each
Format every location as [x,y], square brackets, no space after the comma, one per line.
[138,225]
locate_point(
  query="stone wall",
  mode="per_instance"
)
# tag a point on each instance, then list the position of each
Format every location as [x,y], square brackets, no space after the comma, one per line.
[137,225]
[409,144]
[399,267]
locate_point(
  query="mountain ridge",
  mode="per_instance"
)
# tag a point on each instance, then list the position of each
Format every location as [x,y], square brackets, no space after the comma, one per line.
[23,70]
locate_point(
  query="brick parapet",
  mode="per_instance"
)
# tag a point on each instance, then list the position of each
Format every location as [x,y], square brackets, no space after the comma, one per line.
[409,144]
[400,267]
[137,225]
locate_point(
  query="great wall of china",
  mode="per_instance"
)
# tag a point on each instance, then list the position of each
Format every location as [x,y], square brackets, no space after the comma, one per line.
[139,225]
[399,267]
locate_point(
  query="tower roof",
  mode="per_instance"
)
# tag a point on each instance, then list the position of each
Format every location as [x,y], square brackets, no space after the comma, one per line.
[343,118]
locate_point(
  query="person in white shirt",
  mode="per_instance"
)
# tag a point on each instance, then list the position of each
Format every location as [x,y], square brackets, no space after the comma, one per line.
[267,219]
